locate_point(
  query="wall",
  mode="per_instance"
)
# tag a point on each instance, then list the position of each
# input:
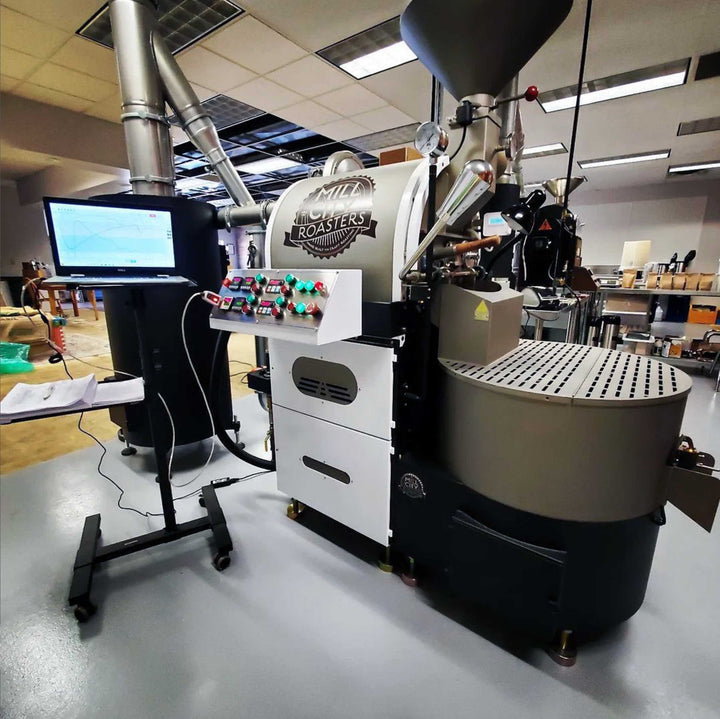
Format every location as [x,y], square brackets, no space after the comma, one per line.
[676,216]
[22,232]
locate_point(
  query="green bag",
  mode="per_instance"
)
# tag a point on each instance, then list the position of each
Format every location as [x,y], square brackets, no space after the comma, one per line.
[14,358]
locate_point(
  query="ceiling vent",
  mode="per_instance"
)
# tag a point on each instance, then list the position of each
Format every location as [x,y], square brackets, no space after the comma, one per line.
[181,22]
[225,111]
[695,127]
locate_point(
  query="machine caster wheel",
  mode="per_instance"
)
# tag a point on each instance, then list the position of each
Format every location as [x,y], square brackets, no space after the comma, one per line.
[408,577]
[83,612]
[221,562]
[201,501]
[563,650]
[121,436]
[128,451]
[295,509]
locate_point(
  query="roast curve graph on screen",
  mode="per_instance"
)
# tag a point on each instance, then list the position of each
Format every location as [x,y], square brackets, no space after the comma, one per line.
[100,236]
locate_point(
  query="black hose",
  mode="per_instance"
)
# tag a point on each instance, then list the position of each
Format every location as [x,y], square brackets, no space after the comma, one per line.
[218,355]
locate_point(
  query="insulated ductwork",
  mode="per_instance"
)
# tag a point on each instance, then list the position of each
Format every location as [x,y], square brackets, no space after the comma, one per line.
[147,133]
[477,46]
[196,122]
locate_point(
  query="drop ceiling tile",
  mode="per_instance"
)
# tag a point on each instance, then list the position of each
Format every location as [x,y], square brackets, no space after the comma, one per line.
[383,119]
[109,109]
[8,83]
[203,93]
[254,45]
[265,94]
[308,113]
[407,87]
[73,83]
[320,23]
[52,97]
[311,76]
[27,35]
[210,70]
[340,129]
[64,15]
[17,64]
[88,57]
[351,100]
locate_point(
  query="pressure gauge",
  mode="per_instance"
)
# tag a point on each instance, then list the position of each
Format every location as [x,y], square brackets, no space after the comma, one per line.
[431,140]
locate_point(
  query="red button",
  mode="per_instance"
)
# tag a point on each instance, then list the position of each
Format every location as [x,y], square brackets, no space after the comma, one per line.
[277,313]
[287,290]
[291,307]
[227,282]
[255,288]
[247,310]
[320,287]
[312,309]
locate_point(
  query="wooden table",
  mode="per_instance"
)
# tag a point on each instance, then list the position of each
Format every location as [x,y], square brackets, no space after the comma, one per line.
[55,308]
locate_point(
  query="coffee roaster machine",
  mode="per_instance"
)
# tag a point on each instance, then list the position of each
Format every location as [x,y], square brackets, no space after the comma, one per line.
[527,477]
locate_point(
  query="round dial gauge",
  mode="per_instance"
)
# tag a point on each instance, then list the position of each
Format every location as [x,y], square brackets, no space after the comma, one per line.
[431,140]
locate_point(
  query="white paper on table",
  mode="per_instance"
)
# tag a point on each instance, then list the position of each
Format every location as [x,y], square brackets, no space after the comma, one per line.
[29,400]
[132,390]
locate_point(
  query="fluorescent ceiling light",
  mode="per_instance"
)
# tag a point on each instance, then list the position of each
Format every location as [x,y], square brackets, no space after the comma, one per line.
[613,87]
[392,56]
[695,166]
[556,148]
[269,164]
[370,51]
[624,159]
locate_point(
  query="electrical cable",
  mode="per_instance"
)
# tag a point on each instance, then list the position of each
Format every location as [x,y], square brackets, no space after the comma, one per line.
[202,392]
[22,297]
[576,116]
[462,141]
[218,354]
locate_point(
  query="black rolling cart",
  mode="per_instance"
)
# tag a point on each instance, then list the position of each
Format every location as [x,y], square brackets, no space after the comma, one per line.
[90,554]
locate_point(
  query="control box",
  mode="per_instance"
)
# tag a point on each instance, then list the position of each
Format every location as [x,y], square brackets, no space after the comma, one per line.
[309,306]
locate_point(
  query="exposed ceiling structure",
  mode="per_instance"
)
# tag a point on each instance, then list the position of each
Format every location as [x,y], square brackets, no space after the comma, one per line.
[266,59]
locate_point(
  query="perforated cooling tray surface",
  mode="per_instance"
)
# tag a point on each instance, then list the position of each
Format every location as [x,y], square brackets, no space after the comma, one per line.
[576,373]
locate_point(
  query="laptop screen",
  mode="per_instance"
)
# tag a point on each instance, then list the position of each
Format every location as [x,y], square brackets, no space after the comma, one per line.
[92,235]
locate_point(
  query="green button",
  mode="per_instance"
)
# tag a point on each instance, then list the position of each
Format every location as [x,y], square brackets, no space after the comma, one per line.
[260,278]
[251,299]
[280,301]
[290,279]
[303,286]
[311,286]
[300,309]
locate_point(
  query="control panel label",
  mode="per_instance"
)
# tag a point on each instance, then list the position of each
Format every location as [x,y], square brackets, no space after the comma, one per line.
[331,217]
[412,486]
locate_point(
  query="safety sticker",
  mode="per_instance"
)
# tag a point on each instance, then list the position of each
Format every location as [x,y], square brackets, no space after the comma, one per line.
[481,312]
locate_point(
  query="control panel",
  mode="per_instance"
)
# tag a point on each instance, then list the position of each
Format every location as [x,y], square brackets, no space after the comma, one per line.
[307,306]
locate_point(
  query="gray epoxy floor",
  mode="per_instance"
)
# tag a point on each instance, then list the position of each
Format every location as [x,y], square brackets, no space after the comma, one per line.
[299,627]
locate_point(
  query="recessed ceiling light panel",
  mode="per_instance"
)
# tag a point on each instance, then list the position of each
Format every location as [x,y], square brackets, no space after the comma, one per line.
[695,166]
[624,159]
[371,51]
[181,22]
[555,148]
[647,79]
[270,164]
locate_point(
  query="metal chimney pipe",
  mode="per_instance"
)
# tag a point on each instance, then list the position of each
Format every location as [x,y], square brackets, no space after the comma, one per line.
[147,131]
[196,122]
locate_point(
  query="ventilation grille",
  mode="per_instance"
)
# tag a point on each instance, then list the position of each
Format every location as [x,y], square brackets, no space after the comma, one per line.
[385,138]
[225,111]
[554,369]
[180,22]
[323,390]
[324,380]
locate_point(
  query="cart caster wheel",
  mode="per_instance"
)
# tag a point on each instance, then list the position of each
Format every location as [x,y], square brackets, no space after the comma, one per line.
[221,562]
[201,501]
[83,612]
[128,451]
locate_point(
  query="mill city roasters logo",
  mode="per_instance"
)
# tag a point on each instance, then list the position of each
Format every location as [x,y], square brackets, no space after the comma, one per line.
[331,217]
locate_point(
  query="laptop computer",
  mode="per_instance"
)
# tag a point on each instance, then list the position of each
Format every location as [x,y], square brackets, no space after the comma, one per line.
[97,243]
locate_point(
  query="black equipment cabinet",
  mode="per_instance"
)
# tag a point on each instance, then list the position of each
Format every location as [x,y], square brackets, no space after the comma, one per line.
[197,256]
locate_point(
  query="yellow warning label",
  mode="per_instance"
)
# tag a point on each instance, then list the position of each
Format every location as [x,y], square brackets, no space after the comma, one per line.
[481,312]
